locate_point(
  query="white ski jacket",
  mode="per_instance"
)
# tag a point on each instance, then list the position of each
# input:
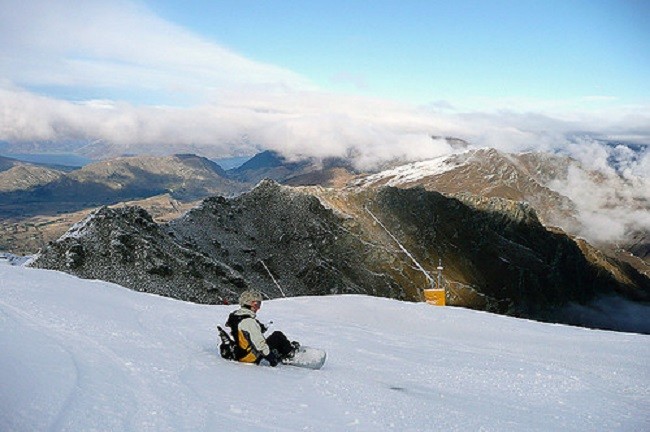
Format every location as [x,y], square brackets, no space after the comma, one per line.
[250,336]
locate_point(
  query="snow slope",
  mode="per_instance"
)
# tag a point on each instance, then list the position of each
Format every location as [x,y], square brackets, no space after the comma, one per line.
[411,172]
[81,355]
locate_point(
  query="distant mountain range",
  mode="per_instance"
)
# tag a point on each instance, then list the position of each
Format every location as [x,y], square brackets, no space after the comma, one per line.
[31,189]
[499,222]
[28,189]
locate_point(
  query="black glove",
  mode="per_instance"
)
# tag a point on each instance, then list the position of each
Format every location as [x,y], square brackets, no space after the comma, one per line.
[272,359]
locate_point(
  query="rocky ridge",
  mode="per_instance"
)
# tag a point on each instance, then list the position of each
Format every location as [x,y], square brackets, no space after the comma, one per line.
[125,246]
[184,177]
[289,241]
[488,173]
[539,179]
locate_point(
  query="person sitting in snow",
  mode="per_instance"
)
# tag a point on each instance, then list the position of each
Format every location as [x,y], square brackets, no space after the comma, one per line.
[248,333]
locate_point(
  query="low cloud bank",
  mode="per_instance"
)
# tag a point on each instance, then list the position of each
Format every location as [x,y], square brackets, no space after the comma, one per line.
[612,313]
[610,189]
[308,123]
[301,124]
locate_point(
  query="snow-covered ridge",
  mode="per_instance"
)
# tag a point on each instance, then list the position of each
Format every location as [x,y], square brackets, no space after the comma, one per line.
[80,228]
[411,172]
[88,355]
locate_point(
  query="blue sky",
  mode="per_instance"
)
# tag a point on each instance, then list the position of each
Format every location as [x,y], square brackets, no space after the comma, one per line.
[423,51]
[376,78]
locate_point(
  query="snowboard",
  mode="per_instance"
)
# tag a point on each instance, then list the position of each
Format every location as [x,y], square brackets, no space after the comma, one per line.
[304,356]
[307,357]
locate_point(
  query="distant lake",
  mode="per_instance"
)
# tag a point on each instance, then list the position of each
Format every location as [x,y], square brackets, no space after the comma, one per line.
[54,158]
[232,162]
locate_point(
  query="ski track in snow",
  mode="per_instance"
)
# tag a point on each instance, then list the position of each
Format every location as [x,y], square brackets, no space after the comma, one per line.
[86,355]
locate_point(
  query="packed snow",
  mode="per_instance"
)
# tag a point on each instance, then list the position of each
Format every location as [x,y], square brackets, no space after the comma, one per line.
[80,355]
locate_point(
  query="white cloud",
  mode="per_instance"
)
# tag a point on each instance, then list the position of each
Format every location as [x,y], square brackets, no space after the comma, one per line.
[297,123]
[117,44]
[609,206]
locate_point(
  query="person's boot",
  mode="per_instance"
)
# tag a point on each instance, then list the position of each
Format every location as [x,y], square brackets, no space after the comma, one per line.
[295,346]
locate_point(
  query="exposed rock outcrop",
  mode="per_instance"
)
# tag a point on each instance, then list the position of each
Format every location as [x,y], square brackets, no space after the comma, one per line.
[127,247]
[316,241]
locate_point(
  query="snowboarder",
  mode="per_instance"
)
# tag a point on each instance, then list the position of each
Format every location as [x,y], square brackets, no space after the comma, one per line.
[248,333]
